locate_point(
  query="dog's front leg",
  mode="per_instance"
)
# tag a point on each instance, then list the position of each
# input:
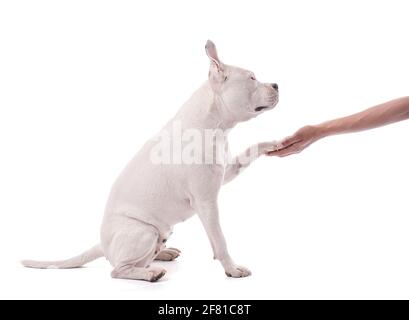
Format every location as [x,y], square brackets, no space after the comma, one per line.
[209,215]
[242,161]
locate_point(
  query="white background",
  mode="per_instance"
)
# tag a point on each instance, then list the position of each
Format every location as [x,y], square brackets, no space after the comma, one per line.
[84,83]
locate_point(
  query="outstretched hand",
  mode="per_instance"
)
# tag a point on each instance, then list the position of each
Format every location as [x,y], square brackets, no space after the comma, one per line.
[295,143]
[380,115]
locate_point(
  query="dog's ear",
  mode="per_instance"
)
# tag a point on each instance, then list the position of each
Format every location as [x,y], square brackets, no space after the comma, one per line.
[212,54]
[216,66]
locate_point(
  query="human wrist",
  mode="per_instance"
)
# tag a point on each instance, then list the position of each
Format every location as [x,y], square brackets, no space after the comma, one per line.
[317,132]
[324,130]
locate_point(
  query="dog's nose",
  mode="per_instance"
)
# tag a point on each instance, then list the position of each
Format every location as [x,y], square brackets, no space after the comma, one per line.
[275,86]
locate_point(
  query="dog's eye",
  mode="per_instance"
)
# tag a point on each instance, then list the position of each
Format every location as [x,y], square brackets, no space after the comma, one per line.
[225,78]
[253,78]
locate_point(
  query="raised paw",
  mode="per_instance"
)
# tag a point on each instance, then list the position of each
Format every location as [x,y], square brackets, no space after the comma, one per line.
[237,272]
[168,254]
[266,147]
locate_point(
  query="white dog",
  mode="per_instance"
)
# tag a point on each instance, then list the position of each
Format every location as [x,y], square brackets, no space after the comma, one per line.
[149,198]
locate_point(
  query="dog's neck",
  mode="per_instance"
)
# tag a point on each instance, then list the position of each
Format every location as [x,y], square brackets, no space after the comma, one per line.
[205,110]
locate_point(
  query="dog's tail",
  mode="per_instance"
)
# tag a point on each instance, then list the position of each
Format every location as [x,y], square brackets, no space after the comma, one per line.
[76,262]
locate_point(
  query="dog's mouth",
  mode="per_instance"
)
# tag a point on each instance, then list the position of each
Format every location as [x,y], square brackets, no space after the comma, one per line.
[261,108]
[271,103]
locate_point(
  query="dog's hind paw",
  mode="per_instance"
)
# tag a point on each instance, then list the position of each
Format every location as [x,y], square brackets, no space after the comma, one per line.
[168,254]
[155,274]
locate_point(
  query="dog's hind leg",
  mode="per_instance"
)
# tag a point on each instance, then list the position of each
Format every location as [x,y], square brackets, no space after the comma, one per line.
[132,248]
[132,272]
[168,254]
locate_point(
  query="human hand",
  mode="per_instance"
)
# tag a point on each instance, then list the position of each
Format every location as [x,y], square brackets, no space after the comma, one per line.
[296,143]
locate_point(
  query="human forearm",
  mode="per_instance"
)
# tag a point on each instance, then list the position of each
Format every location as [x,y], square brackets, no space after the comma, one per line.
[383,114]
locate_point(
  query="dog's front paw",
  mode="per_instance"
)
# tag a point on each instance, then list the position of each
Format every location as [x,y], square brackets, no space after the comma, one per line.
[237,272]
[266,147]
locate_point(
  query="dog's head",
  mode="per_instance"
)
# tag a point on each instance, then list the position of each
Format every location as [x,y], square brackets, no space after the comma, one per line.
[239,92]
